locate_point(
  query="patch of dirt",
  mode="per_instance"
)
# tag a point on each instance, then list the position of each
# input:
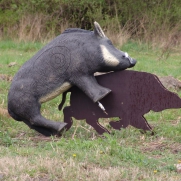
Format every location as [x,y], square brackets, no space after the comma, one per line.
[5,77]
[12,64]
[152,146]
[1,177]
[170,82]
[178,168]
[175,122]
[4,112]
[161,144]
[175,148]
[42,178]
[41,138]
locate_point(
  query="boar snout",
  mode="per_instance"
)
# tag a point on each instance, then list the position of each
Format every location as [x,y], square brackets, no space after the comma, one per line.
[132,62]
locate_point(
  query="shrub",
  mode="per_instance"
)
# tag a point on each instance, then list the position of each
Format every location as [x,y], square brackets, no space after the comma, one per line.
[149,21]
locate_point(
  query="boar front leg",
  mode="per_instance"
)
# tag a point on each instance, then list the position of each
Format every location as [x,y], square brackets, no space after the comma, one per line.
[89,85]
[95,124]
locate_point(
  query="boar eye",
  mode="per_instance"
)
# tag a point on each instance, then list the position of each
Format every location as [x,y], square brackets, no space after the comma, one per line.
[109,42]
[125,55]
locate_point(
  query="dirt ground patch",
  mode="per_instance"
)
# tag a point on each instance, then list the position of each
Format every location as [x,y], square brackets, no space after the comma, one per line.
[4,112]
[5,77]
[171,83]
[161,144]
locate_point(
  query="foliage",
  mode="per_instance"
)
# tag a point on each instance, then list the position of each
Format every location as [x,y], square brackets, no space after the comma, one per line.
[141,17]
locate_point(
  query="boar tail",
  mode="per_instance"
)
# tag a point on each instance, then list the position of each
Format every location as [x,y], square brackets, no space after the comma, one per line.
[63,100]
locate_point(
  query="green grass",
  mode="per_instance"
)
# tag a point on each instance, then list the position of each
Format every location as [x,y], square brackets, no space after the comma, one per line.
[81,154]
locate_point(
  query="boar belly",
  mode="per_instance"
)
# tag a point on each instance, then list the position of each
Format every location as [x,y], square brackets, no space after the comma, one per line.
[65,86]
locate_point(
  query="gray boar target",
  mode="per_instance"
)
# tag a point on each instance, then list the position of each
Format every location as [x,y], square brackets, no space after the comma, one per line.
[70,59]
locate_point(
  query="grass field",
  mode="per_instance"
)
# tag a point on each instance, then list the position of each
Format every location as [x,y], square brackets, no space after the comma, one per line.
[81,154]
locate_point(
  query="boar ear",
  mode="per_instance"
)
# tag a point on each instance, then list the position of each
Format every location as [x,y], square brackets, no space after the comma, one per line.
[98,30]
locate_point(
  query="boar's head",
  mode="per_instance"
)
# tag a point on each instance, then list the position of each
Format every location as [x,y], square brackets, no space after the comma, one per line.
[112,58]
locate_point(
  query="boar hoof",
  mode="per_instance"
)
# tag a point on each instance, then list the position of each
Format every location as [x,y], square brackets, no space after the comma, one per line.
[101,94]
[61,127]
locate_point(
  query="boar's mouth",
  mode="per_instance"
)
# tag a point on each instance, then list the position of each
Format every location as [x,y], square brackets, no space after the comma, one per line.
[132,62]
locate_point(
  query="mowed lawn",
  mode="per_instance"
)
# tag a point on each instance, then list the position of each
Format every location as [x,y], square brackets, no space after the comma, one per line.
[81,154]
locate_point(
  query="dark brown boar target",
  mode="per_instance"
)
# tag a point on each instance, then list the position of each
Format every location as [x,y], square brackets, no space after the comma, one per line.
[133,95]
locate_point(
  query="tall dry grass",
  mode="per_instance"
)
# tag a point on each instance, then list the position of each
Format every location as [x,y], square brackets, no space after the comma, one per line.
[118,35]
[47,168]
[33,27]
[165,36]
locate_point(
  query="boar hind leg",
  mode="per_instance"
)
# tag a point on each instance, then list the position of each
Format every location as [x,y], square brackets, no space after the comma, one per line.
[95,124]
[29,113]
[89,85]
[42,130]
[141,123]
[45,126]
